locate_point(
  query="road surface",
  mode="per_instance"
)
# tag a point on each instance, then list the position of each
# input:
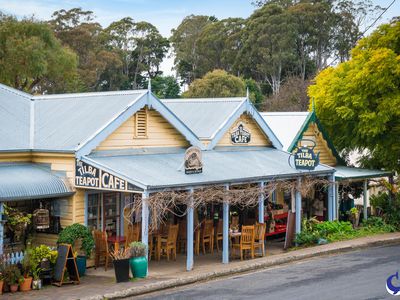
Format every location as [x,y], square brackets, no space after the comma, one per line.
[354,275]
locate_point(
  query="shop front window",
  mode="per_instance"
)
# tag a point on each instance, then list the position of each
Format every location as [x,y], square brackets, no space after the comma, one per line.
[103,212]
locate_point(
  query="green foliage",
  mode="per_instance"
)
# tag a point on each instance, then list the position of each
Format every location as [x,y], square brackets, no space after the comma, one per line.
[17,219]
[313,231]
[217,83]
[358,101]
[74,232]
[389,208]
[165,87]
[32,59]
[40,253]
[137,249]
[12,274]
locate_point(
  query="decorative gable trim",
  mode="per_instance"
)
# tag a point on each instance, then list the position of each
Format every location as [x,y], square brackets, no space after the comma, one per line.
[245,106]
[312,118]
[146,99]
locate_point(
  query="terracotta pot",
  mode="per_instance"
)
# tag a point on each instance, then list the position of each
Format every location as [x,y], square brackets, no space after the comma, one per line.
[26,285]
[1,286]
[14,288]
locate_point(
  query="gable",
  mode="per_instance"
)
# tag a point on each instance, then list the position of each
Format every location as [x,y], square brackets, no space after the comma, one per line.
[313,133]
[146,128]
[258,138]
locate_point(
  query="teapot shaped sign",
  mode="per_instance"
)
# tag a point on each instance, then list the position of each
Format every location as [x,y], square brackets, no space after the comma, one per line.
[240,135]
[305,157]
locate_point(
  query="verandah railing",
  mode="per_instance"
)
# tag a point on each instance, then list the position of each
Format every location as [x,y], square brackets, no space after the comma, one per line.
[12,258]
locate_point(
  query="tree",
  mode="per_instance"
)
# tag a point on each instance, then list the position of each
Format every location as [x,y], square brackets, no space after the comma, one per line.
[358,101]
[76,29]
[32,59]
[217,83]
[165,87]
[184,41]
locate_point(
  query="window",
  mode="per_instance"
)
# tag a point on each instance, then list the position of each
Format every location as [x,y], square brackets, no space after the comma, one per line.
[141,123]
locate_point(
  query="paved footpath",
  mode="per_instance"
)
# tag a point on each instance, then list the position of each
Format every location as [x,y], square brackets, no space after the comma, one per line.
[100,287]
[359,274]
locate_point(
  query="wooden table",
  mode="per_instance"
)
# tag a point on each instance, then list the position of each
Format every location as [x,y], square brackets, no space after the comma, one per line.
[116,240]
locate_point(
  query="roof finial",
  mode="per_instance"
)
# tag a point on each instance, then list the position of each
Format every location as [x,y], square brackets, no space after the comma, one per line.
[313,104]
[247,92]
[149,85]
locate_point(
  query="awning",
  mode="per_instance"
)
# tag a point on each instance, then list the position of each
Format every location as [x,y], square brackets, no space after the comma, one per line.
[350,173]
[19,181]
[165,170]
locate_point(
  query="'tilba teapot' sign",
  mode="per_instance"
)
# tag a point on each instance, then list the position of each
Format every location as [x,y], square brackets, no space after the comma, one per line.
[305,158]
[240,135]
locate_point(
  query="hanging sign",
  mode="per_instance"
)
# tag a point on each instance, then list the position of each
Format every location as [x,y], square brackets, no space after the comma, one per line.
[305,157]
[240,135]
[193,161]
[92,177]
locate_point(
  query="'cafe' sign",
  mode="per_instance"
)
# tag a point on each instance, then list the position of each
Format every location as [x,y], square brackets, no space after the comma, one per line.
[92,177]
[240,135]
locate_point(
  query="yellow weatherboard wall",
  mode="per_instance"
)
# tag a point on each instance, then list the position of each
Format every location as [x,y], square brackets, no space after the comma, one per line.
[258,138]
[159,133]
[326,156]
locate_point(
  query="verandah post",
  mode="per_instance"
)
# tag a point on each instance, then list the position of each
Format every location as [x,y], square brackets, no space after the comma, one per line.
[365,199]
[189,231]
[145,219]
[298,205]
[261,203]
[225,241]
[331,198]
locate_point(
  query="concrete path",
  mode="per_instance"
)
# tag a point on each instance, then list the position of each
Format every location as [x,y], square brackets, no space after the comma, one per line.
[359,274]
[103,285]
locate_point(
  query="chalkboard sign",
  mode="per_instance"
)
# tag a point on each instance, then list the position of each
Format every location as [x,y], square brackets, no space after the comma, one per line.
[65,261]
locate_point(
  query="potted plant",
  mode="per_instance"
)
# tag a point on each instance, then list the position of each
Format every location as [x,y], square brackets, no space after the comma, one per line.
[121,264]
[138,259]
[12,276]
[37,282]
[72,233]
[26,281]
[355,216]
[42,259]
[17,222]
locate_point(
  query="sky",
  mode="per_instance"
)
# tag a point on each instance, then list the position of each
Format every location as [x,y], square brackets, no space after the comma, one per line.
[164,14]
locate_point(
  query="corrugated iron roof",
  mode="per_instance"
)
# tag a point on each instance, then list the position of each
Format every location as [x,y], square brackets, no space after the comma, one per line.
[285,125]
[343,173]
[64,121]
[15,109]
[30,181]
[157,171]
[204,116]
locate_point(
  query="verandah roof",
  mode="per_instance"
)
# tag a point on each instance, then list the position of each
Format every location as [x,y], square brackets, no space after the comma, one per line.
[19,181]
[224,165]
[350,173]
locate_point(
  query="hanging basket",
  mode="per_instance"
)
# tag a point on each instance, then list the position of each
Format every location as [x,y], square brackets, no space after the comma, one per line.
[41,218]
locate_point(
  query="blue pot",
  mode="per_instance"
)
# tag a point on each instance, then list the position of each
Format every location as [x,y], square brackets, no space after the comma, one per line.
[138,266]
[81,265]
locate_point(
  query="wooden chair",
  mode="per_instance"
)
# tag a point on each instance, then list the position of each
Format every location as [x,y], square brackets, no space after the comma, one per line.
[219,233]
[133,234]
[246,241]
[169,244]
[207,236]
[101,248]
[259,237]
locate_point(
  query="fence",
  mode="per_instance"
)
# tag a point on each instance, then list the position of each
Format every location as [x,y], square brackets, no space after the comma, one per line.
[12,258]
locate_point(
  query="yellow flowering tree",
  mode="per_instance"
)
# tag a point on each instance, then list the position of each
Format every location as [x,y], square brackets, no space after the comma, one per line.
[358,101]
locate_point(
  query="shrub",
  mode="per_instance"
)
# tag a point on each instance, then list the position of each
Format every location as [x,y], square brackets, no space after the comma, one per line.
[40,253]
[137,249]
[389,209]
[74,232]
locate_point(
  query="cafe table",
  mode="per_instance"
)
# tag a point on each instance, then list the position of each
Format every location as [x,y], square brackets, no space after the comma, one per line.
[116,240]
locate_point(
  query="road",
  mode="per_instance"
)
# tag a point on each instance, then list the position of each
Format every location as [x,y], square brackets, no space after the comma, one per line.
[354,275]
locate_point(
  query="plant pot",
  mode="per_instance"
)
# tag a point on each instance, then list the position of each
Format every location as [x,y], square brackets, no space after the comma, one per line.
[81,264]
[26,284]
[37,284]
[138,266]
[14,288]
[1,286]
[121,268]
